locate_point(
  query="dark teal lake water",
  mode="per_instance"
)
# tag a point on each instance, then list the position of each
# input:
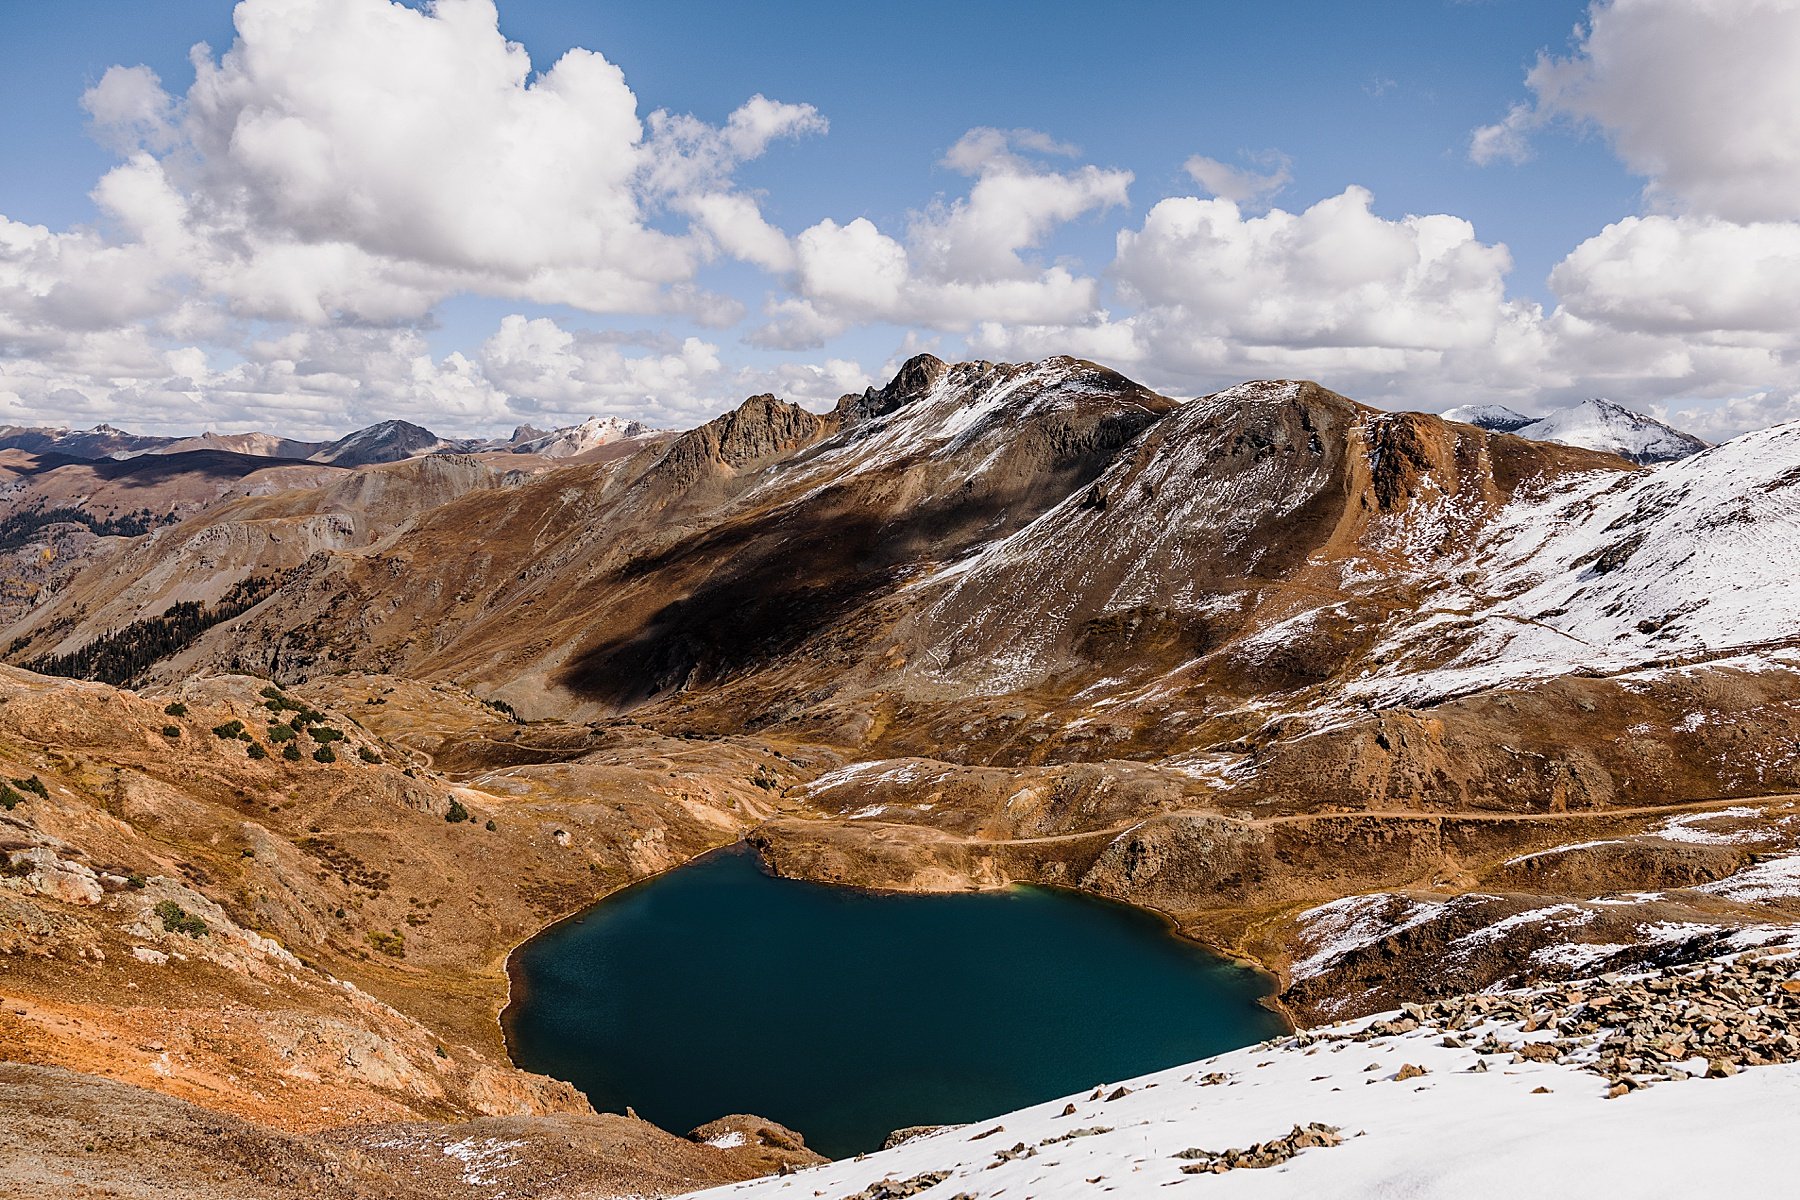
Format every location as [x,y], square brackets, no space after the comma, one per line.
[718,988]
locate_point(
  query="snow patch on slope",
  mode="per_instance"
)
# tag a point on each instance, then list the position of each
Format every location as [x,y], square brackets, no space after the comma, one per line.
[1333,931]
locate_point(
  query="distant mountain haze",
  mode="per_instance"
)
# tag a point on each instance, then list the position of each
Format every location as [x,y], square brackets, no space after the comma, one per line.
[385,441]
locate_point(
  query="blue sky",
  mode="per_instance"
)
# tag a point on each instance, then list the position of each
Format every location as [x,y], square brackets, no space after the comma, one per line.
[1324,96]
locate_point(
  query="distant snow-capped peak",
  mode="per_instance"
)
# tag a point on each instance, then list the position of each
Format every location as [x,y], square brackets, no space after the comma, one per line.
[579,439]
[1598,424]
[1496,417]
[1594,424]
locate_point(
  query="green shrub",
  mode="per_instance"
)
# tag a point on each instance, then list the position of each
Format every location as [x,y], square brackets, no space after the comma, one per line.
[457,812]
[175,708]
[291,752]
[171,731]
[9,799]
[256,750]
[278,702]
[324,754]
[177,919]
[33,785]
[490,826]
[228,730]
[367,754]
[324,733]
[135,881]
[391,944]
[280,733]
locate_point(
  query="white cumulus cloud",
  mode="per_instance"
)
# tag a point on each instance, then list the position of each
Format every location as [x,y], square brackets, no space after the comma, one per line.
[1700,97]
[963,260]
[346,166]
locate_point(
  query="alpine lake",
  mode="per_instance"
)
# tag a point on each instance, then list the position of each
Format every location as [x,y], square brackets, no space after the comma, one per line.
[844,1014]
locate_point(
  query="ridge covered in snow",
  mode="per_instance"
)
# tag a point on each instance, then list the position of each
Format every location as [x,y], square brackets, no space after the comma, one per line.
[1608,571]
[1594,424]
[1597,424]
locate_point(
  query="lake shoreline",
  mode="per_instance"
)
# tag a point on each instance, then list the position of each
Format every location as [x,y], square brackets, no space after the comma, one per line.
[515,984]
[1144,1000]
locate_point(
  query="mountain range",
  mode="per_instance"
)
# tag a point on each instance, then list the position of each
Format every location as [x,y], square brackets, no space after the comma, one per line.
[1396,706]
[1594,424]
[385,441]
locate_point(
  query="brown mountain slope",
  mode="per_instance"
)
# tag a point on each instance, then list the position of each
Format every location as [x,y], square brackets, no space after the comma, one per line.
[258,529]
[1051,522]
[588,589]
[308,873]
[68,1134]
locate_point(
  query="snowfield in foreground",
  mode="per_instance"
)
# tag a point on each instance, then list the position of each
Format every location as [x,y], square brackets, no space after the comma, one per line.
[1510,1127]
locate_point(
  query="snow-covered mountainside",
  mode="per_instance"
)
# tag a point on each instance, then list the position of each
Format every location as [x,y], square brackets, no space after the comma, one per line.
[1609,572]
[1675,1085]
[571,440]
[1496,417]
[1597,424]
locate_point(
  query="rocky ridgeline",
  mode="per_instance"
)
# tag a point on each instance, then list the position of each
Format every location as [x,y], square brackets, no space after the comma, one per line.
[1712,1019]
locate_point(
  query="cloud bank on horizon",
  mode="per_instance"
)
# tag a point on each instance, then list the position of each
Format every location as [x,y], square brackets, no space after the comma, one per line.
[274,244]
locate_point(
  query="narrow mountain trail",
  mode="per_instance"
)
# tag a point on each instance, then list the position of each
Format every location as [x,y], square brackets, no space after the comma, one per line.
[1547,818]
[1674,809]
